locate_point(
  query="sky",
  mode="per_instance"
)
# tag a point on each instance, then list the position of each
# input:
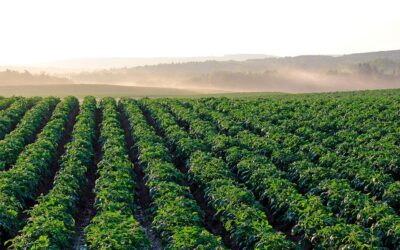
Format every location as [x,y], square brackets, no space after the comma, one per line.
[46,30]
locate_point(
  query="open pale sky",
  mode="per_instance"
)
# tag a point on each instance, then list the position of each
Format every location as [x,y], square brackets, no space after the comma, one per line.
[46,30]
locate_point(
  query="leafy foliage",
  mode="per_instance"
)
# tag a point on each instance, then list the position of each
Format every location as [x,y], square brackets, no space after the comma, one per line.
[24,133]
[10,116]
[240,213]
[177,217]
[51,223]
[114,226]
[20,183]
[284,172]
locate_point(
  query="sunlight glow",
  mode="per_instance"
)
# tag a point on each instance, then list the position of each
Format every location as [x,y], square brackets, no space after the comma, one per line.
[44,30]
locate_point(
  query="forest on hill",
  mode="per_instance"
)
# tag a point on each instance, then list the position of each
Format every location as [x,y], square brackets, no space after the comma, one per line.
[289,74]
[313,73]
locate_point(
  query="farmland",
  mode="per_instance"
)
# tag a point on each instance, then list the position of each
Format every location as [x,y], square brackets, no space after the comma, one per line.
[276,171]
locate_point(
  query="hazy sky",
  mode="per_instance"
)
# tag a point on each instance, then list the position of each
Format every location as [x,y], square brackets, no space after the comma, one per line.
[43,30]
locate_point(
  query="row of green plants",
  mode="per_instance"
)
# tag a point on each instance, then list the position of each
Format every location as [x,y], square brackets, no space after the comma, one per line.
[363,156]
[362,210]
[305,173]
[311,219]
[341,164]
[177,217]
[369,150]
[51,222]
[242,216]
[6,102]
[25,132]
[114,225]
[11,116]
[20,184]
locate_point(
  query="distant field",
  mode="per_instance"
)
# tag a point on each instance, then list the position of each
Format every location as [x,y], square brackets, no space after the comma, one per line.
[106,90]
[98,90]
[103,90]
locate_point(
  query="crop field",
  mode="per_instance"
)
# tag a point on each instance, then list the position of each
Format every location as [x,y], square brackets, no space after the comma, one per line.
[309,171]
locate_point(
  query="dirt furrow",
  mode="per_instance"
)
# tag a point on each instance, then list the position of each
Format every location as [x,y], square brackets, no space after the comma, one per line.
[143,199]
[85,206]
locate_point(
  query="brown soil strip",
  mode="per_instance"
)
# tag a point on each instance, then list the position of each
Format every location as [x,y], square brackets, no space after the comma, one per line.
[85,205]
[142,197]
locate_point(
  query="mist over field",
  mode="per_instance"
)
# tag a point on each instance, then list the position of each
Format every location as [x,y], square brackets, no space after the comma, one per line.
[234,73]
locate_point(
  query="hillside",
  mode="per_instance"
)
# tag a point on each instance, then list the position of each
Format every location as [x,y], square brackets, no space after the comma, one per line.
[291,74]
[307,73]
[15,78]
